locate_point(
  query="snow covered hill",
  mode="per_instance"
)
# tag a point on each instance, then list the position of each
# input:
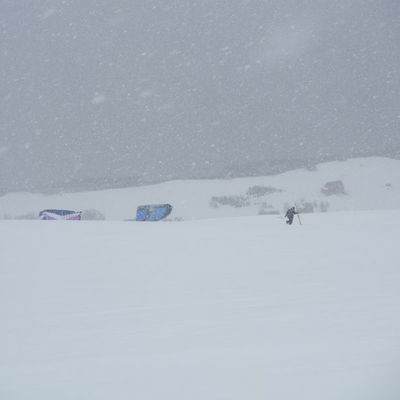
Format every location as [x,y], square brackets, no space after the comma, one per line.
[233,308]
[368,183]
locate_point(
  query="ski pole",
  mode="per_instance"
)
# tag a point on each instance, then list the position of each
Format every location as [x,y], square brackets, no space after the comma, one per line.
[298,216]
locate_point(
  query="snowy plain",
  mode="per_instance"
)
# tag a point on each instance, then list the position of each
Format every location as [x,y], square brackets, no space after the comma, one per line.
[238,307]
[228,308]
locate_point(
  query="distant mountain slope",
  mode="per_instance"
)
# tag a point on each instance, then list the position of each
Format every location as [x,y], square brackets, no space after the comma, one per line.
[355,184]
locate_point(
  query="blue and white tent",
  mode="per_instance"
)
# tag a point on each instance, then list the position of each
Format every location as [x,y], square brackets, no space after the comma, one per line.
[153,212]
[60,215]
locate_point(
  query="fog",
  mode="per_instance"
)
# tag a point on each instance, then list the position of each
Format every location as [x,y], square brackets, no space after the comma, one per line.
[105,93]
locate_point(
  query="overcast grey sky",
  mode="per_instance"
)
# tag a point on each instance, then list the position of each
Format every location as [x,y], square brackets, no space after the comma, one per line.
[100,88]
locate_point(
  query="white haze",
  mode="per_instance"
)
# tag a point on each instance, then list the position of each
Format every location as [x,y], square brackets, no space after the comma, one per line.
[98,93]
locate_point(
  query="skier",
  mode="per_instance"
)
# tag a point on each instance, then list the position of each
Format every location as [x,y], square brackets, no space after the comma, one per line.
[290,215]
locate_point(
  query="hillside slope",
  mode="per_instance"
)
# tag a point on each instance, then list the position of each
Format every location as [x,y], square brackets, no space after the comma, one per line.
[369,183]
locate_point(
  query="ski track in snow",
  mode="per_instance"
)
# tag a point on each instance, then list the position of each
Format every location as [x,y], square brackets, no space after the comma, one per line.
[229,308]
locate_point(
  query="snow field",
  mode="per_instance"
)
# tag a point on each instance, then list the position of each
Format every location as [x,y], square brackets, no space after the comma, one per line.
[228,308]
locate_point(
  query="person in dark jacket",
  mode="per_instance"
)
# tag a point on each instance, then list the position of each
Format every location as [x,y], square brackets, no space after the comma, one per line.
[290,215]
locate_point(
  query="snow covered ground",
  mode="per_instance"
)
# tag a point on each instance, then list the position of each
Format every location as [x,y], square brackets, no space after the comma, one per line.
[231,308]
[369,183]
